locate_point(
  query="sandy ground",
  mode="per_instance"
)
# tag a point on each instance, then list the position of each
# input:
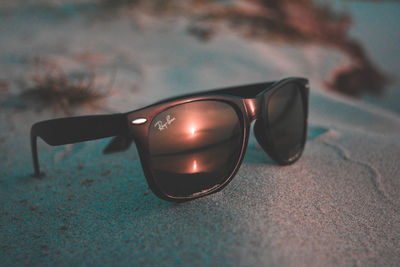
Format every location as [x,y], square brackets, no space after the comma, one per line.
[338,205]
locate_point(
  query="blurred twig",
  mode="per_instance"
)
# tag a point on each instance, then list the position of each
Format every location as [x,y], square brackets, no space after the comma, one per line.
[52,87]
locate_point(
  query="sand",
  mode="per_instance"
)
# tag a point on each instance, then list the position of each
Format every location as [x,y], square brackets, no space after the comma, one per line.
[339,205]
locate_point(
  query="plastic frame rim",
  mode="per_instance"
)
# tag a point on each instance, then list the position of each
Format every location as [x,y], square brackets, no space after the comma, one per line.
[142,142]
[140,133]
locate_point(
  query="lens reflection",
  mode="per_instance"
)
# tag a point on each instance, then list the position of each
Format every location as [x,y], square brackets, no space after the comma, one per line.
[194,147]
[286,118]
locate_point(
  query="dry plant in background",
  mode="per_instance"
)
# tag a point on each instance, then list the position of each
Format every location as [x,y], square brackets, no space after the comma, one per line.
[54,88]
[304,22]
[3,86]
[289,21]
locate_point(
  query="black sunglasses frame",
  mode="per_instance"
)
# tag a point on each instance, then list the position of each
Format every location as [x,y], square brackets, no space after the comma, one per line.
[247,100]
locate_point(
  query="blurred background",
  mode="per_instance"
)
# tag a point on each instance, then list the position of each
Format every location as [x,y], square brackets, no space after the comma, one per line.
[71,57]
[338,205]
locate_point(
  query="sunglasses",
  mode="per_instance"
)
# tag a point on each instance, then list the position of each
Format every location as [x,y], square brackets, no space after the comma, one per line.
[193,145]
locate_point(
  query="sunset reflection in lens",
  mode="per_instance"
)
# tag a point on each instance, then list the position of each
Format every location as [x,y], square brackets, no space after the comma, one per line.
[192,130]
[196,149]
[194,165]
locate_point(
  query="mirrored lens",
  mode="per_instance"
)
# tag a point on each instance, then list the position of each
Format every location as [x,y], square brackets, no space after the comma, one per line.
[194,147]
[286,120]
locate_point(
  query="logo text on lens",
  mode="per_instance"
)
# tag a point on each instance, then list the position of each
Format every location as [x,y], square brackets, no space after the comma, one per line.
[164,125]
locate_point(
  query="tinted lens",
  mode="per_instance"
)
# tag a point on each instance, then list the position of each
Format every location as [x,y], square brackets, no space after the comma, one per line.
[286,120]
[194,147]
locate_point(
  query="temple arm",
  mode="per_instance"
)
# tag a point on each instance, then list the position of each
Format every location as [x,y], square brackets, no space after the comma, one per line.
[76,129]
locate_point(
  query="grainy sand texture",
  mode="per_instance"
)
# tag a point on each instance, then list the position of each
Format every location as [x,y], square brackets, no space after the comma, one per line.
[339,205]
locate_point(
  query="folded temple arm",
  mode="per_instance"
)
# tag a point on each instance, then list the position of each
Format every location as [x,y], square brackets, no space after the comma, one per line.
[76,129]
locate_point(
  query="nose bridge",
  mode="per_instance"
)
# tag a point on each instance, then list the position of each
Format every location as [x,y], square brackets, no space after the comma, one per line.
[253,106]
